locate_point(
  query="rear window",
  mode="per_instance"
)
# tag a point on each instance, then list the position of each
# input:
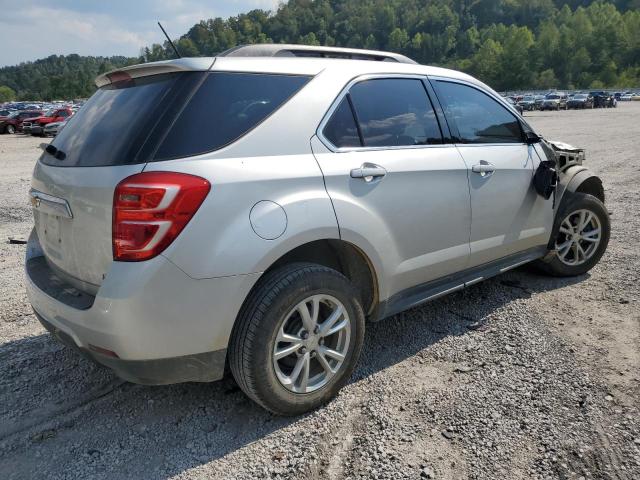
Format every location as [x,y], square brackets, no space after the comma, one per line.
[169,116]
[111,127]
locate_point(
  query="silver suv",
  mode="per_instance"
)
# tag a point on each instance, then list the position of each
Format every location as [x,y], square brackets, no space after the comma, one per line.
[252,210]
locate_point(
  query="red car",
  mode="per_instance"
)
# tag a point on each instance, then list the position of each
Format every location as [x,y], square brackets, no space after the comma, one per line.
[35,125]
[13,122]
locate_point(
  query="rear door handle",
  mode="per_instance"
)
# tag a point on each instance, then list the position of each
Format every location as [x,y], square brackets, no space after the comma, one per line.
[483,168]
[368,171]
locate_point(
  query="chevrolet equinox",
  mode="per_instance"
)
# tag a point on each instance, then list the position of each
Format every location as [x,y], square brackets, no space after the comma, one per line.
[251,211]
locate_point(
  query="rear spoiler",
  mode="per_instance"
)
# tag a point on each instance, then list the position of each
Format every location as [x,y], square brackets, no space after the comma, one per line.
[155,68]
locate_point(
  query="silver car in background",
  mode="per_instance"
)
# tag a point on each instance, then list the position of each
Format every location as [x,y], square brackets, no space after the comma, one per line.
[52,129]
[252,210]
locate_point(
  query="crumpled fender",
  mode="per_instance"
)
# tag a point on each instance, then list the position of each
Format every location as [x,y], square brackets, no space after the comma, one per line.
[572,178]
[573,173]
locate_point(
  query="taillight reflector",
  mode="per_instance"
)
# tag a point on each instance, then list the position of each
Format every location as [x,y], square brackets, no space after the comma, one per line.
[150,209]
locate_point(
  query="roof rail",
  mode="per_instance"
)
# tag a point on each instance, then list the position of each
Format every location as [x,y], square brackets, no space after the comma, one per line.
[290,50]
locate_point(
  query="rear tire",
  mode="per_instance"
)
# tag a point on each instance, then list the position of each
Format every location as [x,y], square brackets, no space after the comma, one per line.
[580,236]
[273,315]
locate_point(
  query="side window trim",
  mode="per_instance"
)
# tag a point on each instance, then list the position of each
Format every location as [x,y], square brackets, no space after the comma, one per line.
[345,93]
[452,123]
[355,118]
[445,129]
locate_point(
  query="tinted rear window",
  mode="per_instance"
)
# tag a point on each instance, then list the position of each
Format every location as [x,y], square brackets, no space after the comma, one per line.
[110,128]
[224,108]
[169,116]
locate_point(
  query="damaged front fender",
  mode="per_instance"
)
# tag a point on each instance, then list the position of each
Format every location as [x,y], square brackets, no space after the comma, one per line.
[574,176]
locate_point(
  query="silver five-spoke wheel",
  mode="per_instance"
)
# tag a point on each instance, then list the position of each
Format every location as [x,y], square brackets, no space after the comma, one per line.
[578,237]
[312,343]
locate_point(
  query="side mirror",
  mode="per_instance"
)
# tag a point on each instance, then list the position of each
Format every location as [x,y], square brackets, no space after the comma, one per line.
[532,138]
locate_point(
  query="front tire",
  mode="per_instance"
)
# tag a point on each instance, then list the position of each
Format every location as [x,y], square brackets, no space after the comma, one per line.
[580,236]
[10,129]
[297,339]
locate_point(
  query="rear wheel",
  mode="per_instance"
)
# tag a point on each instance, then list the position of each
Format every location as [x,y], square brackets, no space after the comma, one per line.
[297,339]
[582,233]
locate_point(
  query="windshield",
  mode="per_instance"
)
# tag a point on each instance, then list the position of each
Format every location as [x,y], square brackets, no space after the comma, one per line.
[13,114]
[580,96]
[553,97]
[528,98]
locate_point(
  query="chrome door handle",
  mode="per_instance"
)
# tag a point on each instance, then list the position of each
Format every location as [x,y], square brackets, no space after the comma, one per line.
[368,171]
[483,168]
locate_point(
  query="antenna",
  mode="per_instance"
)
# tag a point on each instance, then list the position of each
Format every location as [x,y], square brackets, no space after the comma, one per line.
[165,34]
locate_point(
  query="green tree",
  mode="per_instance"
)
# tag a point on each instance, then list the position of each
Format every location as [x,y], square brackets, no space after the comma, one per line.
[7,94]
[547,79]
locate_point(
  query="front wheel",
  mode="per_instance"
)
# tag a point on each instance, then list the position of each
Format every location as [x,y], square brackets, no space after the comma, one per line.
[297,339]
[582,231]
[10,129]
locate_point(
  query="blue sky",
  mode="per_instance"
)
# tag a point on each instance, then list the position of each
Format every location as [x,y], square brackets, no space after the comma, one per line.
[32,29]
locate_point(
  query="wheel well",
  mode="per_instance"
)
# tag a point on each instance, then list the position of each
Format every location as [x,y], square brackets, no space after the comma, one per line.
[592,186]
[343,257]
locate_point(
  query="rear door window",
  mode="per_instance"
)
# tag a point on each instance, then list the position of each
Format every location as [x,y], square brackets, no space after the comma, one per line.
[224,108]
[478,117]
[395,112]
[341,129]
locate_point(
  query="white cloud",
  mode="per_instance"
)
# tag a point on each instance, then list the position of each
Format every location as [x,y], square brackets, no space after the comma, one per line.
[36,32]
[30,30]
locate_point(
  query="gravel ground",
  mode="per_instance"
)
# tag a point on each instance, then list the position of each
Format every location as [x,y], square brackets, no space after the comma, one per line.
[522,376]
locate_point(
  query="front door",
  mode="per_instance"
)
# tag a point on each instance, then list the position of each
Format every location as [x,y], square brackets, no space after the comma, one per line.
[508,216]
[396,188]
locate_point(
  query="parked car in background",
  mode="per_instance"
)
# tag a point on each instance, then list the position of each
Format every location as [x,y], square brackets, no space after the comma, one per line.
[13,122]
[554,101]
[52,129]
[580,100]
[203,241]
[626,97]
[602,99]
[35,126]
[515,105]
[528,103]
[538,99]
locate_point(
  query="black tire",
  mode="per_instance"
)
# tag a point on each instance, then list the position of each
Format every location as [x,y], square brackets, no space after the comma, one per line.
[254,335]
[10,129]
[571,203]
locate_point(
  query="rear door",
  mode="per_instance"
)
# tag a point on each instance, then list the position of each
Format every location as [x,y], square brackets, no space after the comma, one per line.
[507,214]
[395,186]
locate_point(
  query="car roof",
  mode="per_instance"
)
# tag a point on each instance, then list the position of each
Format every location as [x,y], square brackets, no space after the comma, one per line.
[281,65]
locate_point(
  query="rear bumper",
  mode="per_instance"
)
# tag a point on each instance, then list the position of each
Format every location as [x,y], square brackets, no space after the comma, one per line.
[163,326]
[202,367]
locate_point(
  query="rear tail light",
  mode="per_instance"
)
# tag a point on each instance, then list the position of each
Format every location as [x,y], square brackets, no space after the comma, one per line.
[150,209]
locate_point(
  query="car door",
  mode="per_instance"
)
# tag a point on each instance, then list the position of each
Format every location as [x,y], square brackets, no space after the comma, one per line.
[507,215]
[399,192]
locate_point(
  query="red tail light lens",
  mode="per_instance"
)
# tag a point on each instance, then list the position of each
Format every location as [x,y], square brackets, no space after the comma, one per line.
[150,209]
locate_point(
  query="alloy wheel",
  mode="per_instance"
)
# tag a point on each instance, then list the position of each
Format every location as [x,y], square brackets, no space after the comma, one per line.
[578,238]
[312,343]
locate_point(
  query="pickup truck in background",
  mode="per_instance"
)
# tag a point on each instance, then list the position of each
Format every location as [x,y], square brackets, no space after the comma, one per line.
[35,125]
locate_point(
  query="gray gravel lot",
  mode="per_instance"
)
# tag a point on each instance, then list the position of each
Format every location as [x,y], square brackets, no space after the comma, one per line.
[522,376]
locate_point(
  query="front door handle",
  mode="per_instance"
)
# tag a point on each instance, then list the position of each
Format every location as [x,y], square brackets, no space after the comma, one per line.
[483,168]
[368,171]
